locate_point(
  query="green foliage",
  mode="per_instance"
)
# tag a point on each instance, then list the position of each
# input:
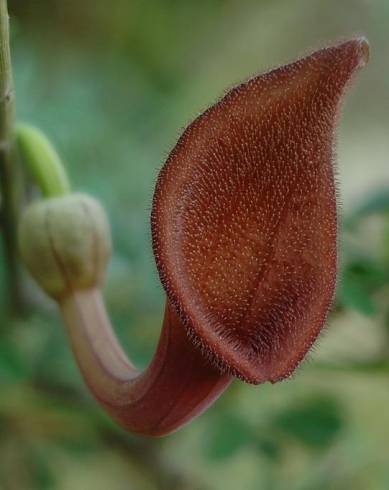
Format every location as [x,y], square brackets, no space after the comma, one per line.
[314,422]
[377,203]
[12,364]
[360,280]
[227,434]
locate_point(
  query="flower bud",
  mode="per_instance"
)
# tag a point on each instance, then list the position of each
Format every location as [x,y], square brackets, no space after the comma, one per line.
[65,243]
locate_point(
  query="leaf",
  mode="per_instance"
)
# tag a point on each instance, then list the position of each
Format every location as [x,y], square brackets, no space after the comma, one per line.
[12,366]
[357,297]
[314,422]
[360,279]
[226,435]
[376,203]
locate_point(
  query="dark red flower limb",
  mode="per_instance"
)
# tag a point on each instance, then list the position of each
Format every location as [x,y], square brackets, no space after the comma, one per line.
[245,218]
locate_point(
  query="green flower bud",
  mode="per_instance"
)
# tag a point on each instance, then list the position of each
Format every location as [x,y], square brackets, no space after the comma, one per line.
[65,243]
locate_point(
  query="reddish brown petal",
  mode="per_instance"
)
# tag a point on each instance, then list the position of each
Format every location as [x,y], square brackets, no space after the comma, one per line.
[244,216]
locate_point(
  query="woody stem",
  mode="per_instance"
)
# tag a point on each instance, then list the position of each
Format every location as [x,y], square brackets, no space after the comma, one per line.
[9,177]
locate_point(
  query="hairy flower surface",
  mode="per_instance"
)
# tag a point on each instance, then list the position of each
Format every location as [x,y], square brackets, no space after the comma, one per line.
[244,220]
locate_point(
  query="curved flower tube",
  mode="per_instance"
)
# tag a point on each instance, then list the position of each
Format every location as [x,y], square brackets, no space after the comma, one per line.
[178,385]
[244,229]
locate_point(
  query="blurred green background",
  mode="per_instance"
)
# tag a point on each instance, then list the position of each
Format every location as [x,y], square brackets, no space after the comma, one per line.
[113,84]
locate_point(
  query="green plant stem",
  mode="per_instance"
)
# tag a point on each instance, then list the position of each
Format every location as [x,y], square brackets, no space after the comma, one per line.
[42,161]
[9,177]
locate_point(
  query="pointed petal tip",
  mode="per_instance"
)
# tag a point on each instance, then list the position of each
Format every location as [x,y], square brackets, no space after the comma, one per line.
[364,50]
[361,48]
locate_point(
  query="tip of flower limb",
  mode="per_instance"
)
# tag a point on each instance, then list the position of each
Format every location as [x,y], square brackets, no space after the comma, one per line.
[356,50]
[244,217]
[363,49]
